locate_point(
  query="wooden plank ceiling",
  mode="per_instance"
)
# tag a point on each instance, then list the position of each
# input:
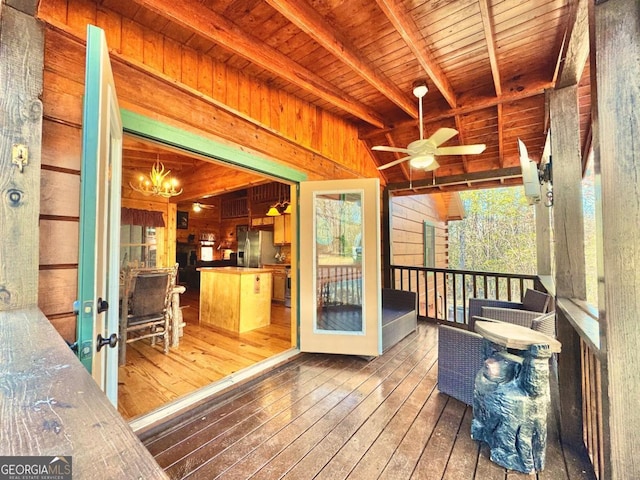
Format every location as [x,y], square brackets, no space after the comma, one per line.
[486,63]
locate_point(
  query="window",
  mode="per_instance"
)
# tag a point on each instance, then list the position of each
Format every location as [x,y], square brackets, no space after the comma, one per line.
[137,246]
[429,244]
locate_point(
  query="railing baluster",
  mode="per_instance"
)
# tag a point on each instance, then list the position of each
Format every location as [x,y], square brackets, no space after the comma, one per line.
[413,278]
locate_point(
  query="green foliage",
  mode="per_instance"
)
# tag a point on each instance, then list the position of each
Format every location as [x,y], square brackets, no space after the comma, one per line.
[498,233]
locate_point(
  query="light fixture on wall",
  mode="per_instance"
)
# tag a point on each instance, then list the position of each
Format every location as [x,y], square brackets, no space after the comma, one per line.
[157,183]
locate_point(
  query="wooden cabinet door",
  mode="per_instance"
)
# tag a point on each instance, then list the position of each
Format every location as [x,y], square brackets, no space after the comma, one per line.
[278,229]
[279,279]
[287,229]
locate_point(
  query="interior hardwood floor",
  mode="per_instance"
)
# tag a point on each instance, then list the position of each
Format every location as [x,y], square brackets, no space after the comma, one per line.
[337,417]
[205,354]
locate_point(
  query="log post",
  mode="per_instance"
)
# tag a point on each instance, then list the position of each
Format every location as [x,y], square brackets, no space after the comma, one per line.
[21,67]
[616,115]
[567,194]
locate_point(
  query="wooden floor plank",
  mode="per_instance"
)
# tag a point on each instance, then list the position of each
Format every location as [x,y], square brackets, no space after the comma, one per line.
[406,456]
[332,417]
[224,425]
[378,456]
[297,447]
[461,463]
[434,458]
[224,450]
[296,372]
[362,440]
[348,419]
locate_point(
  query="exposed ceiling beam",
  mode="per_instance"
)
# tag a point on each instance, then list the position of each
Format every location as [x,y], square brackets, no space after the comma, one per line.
[491,44]
[467,178]
[576,52]
[500,137]
[532,90]
[307,19]
[413,37]
[487,24]
[199,19]
[465,167]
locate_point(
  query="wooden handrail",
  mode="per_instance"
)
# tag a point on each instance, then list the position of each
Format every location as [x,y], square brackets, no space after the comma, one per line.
[52,406]
[443,293]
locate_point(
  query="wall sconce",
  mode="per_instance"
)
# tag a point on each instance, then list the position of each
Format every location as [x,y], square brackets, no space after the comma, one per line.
[156,183]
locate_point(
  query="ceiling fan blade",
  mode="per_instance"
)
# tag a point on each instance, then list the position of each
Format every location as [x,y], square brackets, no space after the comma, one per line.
[442,135]
[462,150]
[384,148]
[395,162]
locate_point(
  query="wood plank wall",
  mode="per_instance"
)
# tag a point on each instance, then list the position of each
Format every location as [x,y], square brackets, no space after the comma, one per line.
[334,139]
[157,77]
[407,216]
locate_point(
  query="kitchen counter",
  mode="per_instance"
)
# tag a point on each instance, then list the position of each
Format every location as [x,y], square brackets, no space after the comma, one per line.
[236,299]
[233,270]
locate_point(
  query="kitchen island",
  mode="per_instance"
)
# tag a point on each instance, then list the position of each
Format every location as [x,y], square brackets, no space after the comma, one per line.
[235,299]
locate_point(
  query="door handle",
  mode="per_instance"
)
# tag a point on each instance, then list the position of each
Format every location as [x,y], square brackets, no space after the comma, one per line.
[110,341]
[103,305]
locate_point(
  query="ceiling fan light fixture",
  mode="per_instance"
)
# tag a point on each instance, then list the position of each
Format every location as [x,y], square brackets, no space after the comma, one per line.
[422,161]
[197,207]
[420,89]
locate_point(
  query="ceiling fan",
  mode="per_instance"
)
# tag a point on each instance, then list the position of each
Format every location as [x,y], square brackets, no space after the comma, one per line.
[422,153]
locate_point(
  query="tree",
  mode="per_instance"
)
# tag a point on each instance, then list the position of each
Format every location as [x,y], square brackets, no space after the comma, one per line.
[497,233]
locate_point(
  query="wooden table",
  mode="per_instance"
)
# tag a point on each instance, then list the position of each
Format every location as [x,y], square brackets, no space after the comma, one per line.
[237,299]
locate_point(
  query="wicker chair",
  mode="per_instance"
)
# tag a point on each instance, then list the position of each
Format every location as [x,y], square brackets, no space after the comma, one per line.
[460,357]
[460,351]
[532,301]
[541,322]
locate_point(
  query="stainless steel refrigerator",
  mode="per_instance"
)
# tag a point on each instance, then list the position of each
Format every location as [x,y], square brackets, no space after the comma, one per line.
[255,248]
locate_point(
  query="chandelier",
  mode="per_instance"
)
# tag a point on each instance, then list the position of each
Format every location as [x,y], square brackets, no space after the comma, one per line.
[156,183]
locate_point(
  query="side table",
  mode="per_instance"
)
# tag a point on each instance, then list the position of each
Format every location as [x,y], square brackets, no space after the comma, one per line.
[511,395]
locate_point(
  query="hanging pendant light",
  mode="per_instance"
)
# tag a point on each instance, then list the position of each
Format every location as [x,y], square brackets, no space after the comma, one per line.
[273,211]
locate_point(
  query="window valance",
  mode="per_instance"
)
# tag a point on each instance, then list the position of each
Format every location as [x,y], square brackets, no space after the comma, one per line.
[146,218]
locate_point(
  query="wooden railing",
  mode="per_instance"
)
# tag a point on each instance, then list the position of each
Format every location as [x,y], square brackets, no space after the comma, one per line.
[592,420]
[443,293]
[581,372]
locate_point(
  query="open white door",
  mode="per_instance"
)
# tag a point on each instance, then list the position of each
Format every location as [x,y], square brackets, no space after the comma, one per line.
[98,269]
[340,306]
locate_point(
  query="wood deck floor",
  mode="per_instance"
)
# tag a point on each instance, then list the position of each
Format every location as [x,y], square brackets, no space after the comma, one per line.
[335,417]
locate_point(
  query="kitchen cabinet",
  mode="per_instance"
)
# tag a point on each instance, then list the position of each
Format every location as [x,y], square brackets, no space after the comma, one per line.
[282,230]
[279,284]
[262,221]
